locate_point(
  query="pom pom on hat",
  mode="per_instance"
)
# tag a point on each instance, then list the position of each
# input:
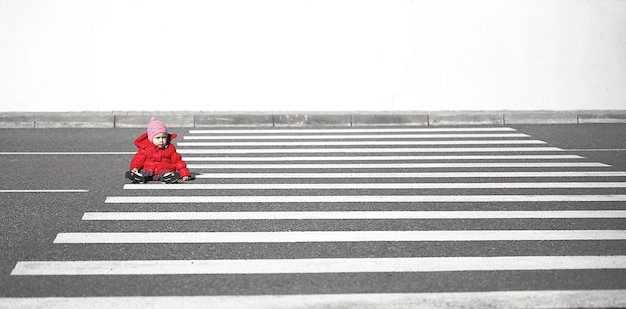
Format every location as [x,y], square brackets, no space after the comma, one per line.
[155,127]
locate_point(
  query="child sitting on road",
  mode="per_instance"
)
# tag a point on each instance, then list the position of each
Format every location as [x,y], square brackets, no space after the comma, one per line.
[157,159]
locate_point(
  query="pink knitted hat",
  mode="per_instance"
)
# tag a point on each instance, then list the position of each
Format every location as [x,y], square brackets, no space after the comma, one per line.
[155,127]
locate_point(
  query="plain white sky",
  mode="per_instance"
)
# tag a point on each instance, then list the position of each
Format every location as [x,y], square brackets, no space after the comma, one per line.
[304,55]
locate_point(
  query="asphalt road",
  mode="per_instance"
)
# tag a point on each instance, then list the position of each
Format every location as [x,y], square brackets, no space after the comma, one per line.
[90,164]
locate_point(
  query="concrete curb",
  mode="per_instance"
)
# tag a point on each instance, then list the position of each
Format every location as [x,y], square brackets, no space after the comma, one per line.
[198,119]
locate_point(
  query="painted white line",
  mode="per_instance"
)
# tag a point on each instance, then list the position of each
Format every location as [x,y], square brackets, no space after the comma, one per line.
[329,137]
[44,191]
[342,186]
[592,150]
[396,165]
[364,199]
[359,143]
[334,236]
[467,300]
[370,150]
[66,153]
[354,215]
[413,175]
[381,158]
[351,130]
[316,266]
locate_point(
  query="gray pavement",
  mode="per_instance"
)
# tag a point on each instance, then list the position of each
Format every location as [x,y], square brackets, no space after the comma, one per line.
[94,160]
[200,119]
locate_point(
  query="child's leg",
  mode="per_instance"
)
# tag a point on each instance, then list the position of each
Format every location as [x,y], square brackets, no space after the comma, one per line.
[140,177]
[135,177]
[167,176]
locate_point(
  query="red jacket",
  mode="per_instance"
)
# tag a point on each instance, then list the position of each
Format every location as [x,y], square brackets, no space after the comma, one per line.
[149,157]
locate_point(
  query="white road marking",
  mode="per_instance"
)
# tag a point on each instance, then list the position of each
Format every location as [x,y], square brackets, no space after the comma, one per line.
[414,175]
[359,143]
[333,236]
[364,199]
[341,186]
[316,266]
[370,150]
[396,165]
[66,153]
[592,150]
[354,136]
[443,300]
[351,130]
[355,215]
[44,191]
[385,158]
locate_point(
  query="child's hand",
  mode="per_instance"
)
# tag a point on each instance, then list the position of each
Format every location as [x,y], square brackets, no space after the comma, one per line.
[135,170]
[185,178]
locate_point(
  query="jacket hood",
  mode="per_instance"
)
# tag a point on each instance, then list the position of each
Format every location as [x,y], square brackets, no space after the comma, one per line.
[143,142]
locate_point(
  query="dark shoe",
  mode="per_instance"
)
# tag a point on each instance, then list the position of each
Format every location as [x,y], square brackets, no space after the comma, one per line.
[170,177]
[135,177]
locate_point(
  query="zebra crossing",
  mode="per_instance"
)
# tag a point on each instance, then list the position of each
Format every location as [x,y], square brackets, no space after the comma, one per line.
[345,176]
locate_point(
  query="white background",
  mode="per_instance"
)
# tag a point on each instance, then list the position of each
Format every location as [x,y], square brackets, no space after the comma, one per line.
[312,55]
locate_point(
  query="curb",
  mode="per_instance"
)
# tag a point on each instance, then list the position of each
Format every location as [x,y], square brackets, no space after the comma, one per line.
[191,119]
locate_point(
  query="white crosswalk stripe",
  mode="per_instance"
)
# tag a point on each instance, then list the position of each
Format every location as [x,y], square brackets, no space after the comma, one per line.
[367,150]
[470,300]
[335,236]
[353,130]
[308,266]
[385,158]
[362,136]
[267,187]
[341,186]
[396,165]
[360,143]
[351,215]
[368,199]
[451,175]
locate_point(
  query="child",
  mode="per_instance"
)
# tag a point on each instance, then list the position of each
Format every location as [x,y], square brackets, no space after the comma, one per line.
[156,158]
